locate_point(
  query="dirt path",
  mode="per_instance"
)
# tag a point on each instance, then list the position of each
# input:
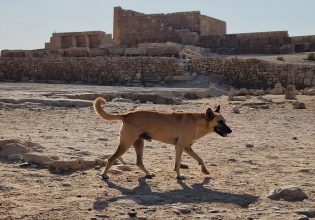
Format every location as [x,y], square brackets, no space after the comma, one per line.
[241,177]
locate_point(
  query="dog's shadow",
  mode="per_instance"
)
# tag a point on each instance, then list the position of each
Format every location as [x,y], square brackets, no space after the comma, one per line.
[196,193]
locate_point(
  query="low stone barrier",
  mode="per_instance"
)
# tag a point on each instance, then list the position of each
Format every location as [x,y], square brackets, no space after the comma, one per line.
[94,70]
[254,73]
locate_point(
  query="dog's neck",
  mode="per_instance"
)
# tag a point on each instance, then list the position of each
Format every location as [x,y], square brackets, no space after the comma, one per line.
[202,128]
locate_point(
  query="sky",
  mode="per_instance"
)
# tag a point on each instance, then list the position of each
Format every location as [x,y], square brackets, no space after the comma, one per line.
[28,24]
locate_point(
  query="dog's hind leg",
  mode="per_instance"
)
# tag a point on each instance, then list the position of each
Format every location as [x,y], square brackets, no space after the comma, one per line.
[178,155]
[139,145]
[192,153]
[127,137]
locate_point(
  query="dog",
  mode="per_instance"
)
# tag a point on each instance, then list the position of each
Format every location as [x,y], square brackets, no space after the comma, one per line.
[179,129]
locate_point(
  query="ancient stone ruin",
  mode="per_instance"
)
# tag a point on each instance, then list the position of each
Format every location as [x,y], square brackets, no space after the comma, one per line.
[161,48]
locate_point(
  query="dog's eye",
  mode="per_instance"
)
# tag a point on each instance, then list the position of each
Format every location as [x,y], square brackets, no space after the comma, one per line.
[221,122]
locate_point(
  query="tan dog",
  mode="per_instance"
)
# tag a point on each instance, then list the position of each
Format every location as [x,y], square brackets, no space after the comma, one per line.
[179,129]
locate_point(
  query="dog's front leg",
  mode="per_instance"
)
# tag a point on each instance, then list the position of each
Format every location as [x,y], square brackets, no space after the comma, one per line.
[195,156]
[178,155]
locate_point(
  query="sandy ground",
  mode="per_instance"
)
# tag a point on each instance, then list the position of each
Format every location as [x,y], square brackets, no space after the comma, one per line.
[240,179]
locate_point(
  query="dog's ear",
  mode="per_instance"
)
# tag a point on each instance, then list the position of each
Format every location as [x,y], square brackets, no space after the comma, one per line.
[218,109]
[209,114]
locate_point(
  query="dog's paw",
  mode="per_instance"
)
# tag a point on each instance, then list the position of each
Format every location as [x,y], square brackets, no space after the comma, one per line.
[150,175]
[105,176]
[181,177]
[205,171]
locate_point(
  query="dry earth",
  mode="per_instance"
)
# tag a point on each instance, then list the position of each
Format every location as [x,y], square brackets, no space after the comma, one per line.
[241,177]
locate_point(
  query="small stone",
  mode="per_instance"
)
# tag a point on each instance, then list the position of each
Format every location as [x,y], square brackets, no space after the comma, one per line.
[132,213]
[236,110]
[273,195]
[79,196]
[308,212]
[23,165]
[232,160]
[213,211]
[249,145]
[184,166]
[303,217]
[33,165]
[185,211]
[115,171]
[294,138]
[298,105]
[123,167]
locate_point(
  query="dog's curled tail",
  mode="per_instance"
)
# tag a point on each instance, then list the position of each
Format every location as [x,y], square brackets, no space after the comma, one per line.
[101,113]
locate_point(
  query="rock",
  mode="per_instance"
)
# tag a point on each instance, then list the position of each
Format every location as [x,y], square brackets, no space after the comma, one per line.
[122,100]
[311,56]
[123,167]
[132,213]
[308,212]
[185,211]
[298,105]
[184,166]
[213,211]
[278,89]
[240,99]
[243,92]
[303,217]
[232,160]
[309,91]
[40,159]
[236,110]
[115,171]
[259,92]
[290,92]
[5,188]
[73,165]
[249,145]
[15,157]
[12,149]
[288,193]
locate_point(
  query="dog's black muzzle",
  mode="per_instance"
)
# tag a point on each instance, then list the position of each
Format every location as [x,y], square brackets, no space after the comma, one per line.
[222,130]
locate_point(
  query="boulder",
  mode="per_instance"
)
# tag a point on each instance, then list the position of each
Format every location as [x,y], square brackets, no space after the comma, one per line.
[298,105]
[278,89]
[7,149]
[291,92]
[288,193]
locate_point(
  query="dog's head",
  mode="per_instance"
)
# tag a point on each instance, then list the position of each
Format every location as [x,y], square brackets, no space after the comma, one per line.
[217,122]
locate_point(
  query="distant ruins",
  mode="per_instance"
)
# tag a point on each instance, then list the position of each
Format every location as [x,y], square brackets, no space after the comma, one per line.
[139,34]
[146,49]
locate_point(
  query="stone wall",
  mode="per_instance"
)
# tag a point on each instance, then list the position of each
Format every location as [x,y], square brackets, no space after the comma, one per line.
[276,42]
[103,70]
[211,26]
[254,73]
[132,28]
[303,43]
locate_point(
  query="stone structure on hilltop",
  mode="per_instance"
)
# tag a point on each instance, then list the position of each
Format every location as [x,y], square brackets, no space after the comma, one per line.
[171,34]
[132,28]
[89,39]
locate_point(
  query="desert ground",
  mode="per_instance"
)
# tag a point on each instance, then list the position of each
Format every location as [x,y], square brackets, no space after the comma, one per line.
[272,145]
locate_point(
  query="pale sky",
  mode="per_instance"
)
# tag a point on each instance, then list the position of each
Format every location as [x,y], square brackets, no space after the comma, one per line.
[28,24]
